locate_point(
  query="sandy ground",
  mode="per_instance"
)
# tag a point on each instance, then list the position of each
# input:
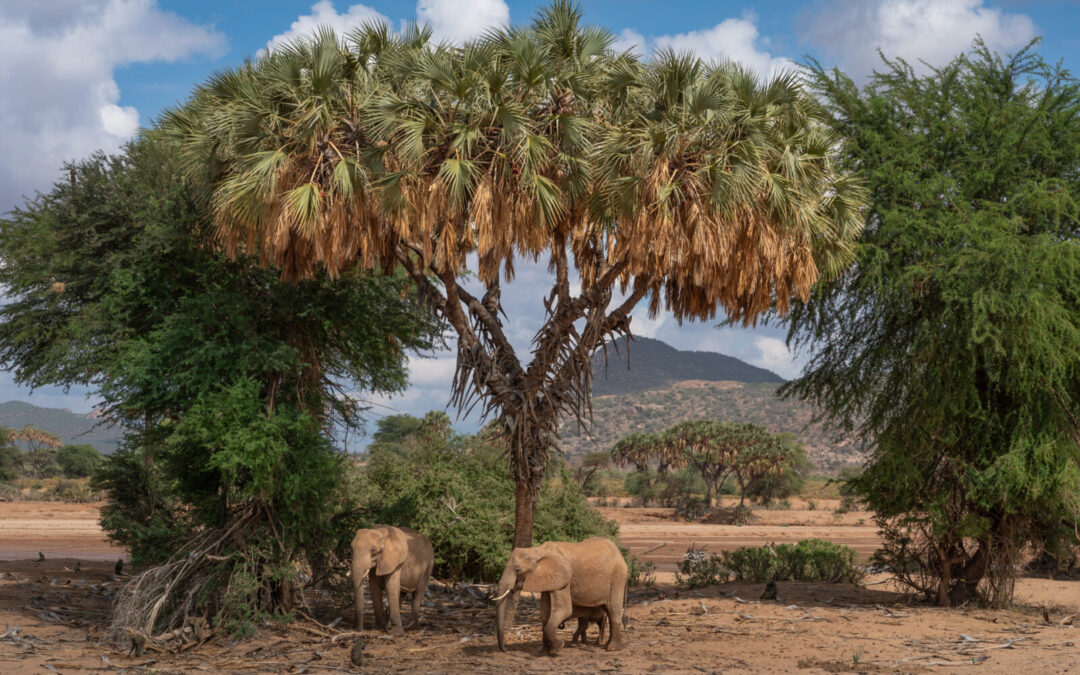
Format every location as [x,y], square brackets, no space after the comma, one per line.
[54,619]
[55,529]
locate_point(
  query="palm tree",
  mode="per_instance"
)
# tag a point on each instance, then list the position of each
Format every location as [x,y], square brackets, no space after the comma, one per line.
[692,185]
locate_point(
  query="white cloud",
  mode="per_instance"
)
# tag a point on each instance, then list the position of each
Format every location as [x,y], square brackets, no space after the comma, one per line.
[733,39]
[773,355]
[935,31]
[121,122]
[324,14]
[56,66]
[459,20]
[631,40]
[450,20]
[730,40]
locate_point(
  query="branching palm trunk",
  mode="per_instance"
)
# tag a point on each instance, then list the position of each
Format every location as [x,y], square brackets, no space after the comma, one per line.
[527,402]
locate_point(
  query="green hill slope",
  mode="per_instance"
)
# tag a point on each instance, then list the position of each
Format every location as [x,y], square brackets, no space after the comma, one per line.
[71,427]
[656,365]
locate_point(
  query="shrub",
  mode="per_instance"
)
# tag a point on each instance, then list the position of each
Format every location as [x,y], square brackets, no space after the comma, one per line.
[73,490]
[808,560]
[751,563]
[697,569]
[639,573]
[742,515]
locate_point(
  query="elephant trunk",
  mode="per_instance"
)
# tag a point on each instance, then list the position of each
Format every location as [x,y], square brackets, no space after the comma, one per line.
[505,607]
[360,567]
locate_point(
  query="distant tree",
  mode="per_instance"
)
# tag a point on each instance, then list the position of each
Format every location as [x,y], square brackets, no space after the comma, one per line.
[767,459]
[10,456]
[641,450]
[35,439]
[789,480]
[706,445]
[40,458]
[78,461]
[588,465]
[394,428]
[953,345]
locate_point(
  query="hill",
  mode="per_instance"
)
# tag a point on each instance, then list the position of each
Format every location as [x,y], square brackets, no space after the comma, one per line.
[656,365]
[664,385]
[71,427]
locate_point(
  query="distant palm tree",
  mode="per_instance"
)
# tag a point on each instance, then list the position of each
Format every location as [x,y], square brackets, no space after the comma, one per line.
[692,185]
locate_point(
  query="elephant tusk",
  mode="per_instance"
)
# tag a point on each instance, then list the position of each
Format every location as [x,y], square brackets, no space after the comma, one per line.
[500,597]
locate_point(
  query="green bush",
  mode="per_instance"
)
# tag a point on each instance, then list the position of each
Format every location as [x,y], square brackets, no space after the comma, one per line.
[455,489]
[754,563]
[808,560]
[698,569]
[639,573]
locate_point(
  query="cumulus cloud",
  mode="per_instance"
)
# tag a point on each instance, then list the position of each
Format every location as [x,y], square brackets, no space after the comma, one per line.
[450,20]
[57,61]
[324,14]
[732,39]
[630,40]
[850,32]
[459,20]
[773,355]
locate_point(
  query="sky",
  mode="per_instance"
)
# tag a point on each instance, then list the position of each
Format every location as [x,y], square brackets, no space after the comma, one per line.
[86,75]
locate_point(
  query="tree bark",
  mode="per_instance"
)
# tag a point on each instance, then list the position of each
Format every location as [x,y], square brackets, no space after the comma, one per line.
[967,582]
[524,514]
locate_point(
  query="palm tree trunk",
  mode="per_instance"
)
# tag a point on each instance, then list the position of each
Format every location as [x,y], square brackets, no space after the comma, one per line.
[524,514]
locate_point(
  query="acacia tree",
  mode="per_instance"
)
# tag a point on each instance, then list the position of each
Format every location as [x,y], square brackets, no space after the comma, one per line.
[952,345]
[719,450]
[694,186]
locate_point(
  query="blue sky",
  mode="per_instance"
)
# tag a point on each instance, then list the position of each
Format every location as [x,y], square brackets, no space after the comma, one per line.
[81,75]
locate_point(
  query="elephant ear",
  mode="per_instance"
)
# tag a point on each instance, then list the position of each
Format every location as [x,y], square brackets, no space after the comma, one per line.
[552,573]
[393,552]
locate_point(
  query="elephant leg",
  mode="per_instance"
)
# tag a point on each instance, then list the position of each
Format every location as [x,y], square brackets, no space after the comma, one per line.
[561,609]
[545,607]
[615,618]
[601,622]
[393,598]
[375,588]
[582,630]
[418,601]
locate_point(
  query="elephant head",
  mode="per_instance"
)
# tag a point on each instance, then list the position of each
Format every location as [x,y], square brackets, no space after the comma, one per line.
[537,569]
[382,548]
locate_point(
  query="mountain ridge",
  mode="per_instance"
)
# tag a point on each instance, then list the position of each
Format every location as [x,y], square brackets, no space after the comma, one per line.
[654,364]
[72,428]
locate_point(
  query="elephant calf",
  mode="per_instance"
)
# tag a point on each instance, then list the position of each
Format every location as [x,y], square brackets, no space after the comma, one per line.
[586,576]
[393,559]
[585,616]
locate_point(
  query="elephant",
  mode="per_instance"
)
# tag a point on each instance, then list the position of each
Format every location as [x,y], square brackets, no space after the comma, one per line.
[584,616]
[569,576]
[394,559]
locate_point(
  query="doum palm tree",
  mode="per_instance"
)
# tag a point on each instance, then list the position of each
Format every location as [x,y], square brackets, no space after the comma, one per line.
[692,187]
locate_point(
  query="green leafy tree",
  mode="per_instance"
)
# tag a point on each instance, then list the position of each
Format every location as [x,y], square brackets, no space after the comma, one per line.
[952,345]
[77,461]
[228,381]
[588,466]
[789,478]
[693,186]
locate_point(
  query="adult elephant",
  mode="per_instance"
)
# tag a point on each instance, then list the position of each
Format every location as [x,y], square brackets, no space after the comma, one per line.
[394,559]
[591,573]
